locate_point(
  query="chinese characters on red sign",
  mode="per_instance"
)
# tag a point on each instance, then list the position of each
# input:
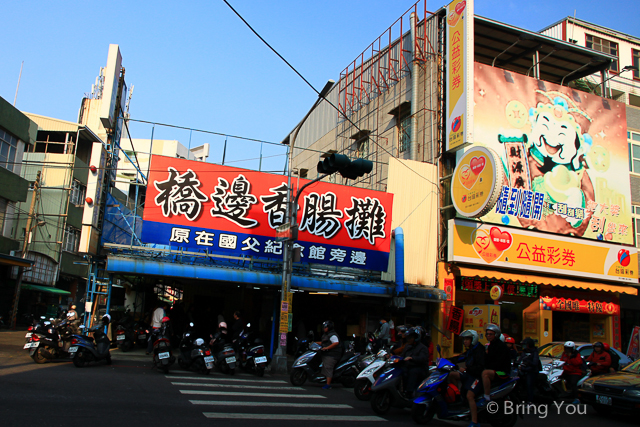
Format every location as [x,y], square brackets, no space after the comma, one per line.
[578,306]
[456,315]
[201,206]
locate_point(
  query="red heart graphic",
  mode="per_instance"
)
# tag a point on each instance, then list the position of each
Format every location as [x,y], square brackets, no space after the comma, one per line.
[501,239]
[477,165]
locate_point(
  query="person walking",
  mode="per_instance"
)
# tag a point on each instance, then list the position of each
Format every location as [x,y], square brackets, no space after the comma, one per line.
[331,351]
[383,334]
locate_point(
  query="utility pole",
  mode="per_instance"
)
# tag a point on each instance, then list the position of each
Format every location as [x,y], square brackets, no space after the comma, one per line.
[25,246]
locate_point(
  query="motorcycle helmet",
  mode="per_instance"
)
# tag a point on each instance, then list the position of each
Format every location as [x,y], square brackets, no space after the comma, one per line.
[527,343]
[328,324]
[222,326]
[414,332]
[402,329]
[597,344]
[605,346]
[510,340]
[165,319]
[106,319]
[503,338]
[494,328]
[570,344]
[199,342]
[470,333]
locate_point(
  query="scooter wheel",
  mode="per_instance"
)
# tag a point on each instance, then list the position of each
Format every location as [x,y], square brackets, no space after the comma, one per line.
[422,414]
[298,376]
[260,371]
[362,389]
[381,402]
[38,357]
[348,381]
[79,359]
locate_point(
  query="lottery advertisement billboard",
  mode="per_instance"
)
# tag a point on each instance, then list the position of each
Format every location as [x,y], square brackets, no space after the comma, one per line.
[200,206]
[564,154]
[514,248]
[459,74]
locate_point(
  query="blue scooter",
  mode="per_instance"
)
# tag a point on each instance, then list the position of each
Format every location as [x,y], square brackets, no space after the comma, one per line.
[84,349]
[435,396]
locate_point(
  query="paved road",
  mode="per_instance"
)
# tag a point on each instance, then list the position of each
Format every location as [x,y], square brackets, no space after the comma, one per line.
[131,392]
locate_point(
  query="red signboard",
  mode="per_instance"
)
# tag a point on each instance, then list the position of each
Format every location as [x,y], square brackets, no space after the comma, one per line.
[579,306]
[220,209]
[456,316]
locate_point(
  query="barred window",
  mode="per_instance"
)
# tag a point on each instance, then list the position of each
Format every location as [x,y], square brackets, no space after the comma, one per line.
[8,150]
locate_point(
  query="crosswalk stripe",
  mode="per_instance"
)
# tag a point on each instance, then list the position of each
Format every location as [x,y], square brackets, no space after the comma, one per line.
[291,417]
[241,393]
[253,387]
[225,379]
[270,404]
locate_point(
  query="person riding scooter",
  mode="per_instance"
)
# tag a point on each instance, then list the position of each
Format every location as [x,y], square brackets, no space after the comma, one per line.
[416,358]
[572,368]
[599,360]
[470,377]
[528,366]
[497,363]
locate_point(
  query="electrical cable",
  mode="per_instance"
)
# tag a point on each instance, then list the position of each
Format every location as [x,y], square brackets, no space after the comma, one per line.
[318,93]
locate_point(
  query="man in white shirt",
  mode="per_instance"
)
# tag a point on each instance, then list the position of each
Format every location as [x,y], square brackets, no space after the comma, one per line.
[156,322]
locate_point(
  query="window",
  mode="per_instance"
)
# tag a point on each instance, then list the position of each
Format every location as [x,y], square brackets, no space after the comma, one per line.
[636,223]
[363,148]
[78,191]
[605,46]
[4,204]
[8,149]
[634,151]
[635,58]
[71,239]
[404,131]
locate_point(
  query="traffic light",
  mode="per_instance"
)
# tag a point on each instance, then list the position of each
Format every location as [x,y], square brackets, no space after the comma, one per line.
[347,168]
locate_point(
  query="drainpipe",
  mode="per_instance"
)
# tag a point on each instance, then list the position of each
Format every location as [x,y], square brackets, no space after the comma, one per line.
[399,260]
[414,90]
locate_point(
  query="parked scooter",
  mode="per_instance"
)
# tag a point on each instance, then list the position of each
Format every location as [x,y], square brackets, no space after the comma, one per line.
[435,397]
[369,374]
[84,349]
[53,342]
[194,353]
[125,336]
[225,355]
[162,357]
[308,366]
[141,332]
[252,354]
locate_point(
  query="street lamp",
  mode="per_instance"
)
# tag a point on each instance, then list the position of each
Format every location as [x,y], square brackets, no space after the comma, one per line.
[287,256]
[626,68]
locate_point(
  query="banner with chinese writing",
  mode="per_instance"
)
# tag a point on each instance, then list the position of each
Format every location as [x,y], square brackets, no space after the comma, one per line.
[633,349]
[578,305]
[459,74]
[200,206]
[509,288]
[515,248]
[477,317]
[565,154]
[456,316]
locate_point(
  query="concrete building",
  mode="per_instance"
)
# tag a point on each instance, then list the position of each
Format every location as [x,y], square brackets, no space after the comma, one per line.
[17,134]
[397,104]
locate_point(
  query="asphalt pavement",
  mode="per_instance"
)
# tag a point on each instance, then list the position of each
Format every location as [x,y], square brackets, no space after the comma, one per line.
[131,392]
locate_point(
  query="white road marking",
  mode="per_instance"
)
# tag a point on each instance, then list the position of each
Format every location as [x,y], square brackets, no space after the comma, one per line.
[252,387]
[290,417]
[240,393]
[271,404]
[226,379]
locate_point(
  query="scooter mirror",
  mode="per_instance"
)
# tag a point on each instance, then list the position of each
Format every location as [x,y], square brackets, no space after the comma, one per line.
[248,325]
[42,317]
[439,349]
[191,324]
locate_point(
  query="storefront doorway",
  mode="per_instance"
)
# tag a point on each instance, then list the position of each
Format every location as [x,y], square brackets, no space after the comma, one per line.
[571,326]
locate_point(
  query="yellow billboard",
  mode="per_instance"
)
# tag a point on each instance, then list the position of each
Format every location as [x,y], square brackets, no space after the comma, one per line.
[477,317]
[564,153]
[459,74]
[513,248]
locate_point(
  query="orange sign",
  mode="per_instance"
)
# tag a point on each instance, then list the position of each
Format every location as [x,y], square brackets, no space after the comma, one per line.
[515,248]
[476,182]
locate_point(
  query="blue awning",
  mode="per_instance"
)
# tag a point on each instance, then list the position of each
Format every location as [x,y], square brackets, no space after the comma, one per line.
[138,266]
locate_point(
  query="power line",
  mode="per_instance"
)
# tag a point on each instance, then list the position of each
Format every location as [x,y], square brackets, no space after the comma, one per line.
[318,93]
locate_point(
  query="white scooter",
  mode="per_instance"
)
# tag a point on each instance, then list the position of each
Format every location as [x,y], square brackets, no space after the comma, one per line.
[366,378]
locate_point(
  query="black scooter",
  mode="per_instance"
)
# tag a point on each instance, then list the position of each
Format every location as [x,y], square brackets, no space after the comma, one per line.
[251,352]
[225,355]
[194,353]
[125,335]
[309,365]
[85,349]
[162,357]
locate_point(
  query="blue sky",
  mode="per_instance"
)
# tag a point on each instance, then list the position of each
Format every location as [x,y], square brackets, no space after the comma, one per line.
[195,64]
